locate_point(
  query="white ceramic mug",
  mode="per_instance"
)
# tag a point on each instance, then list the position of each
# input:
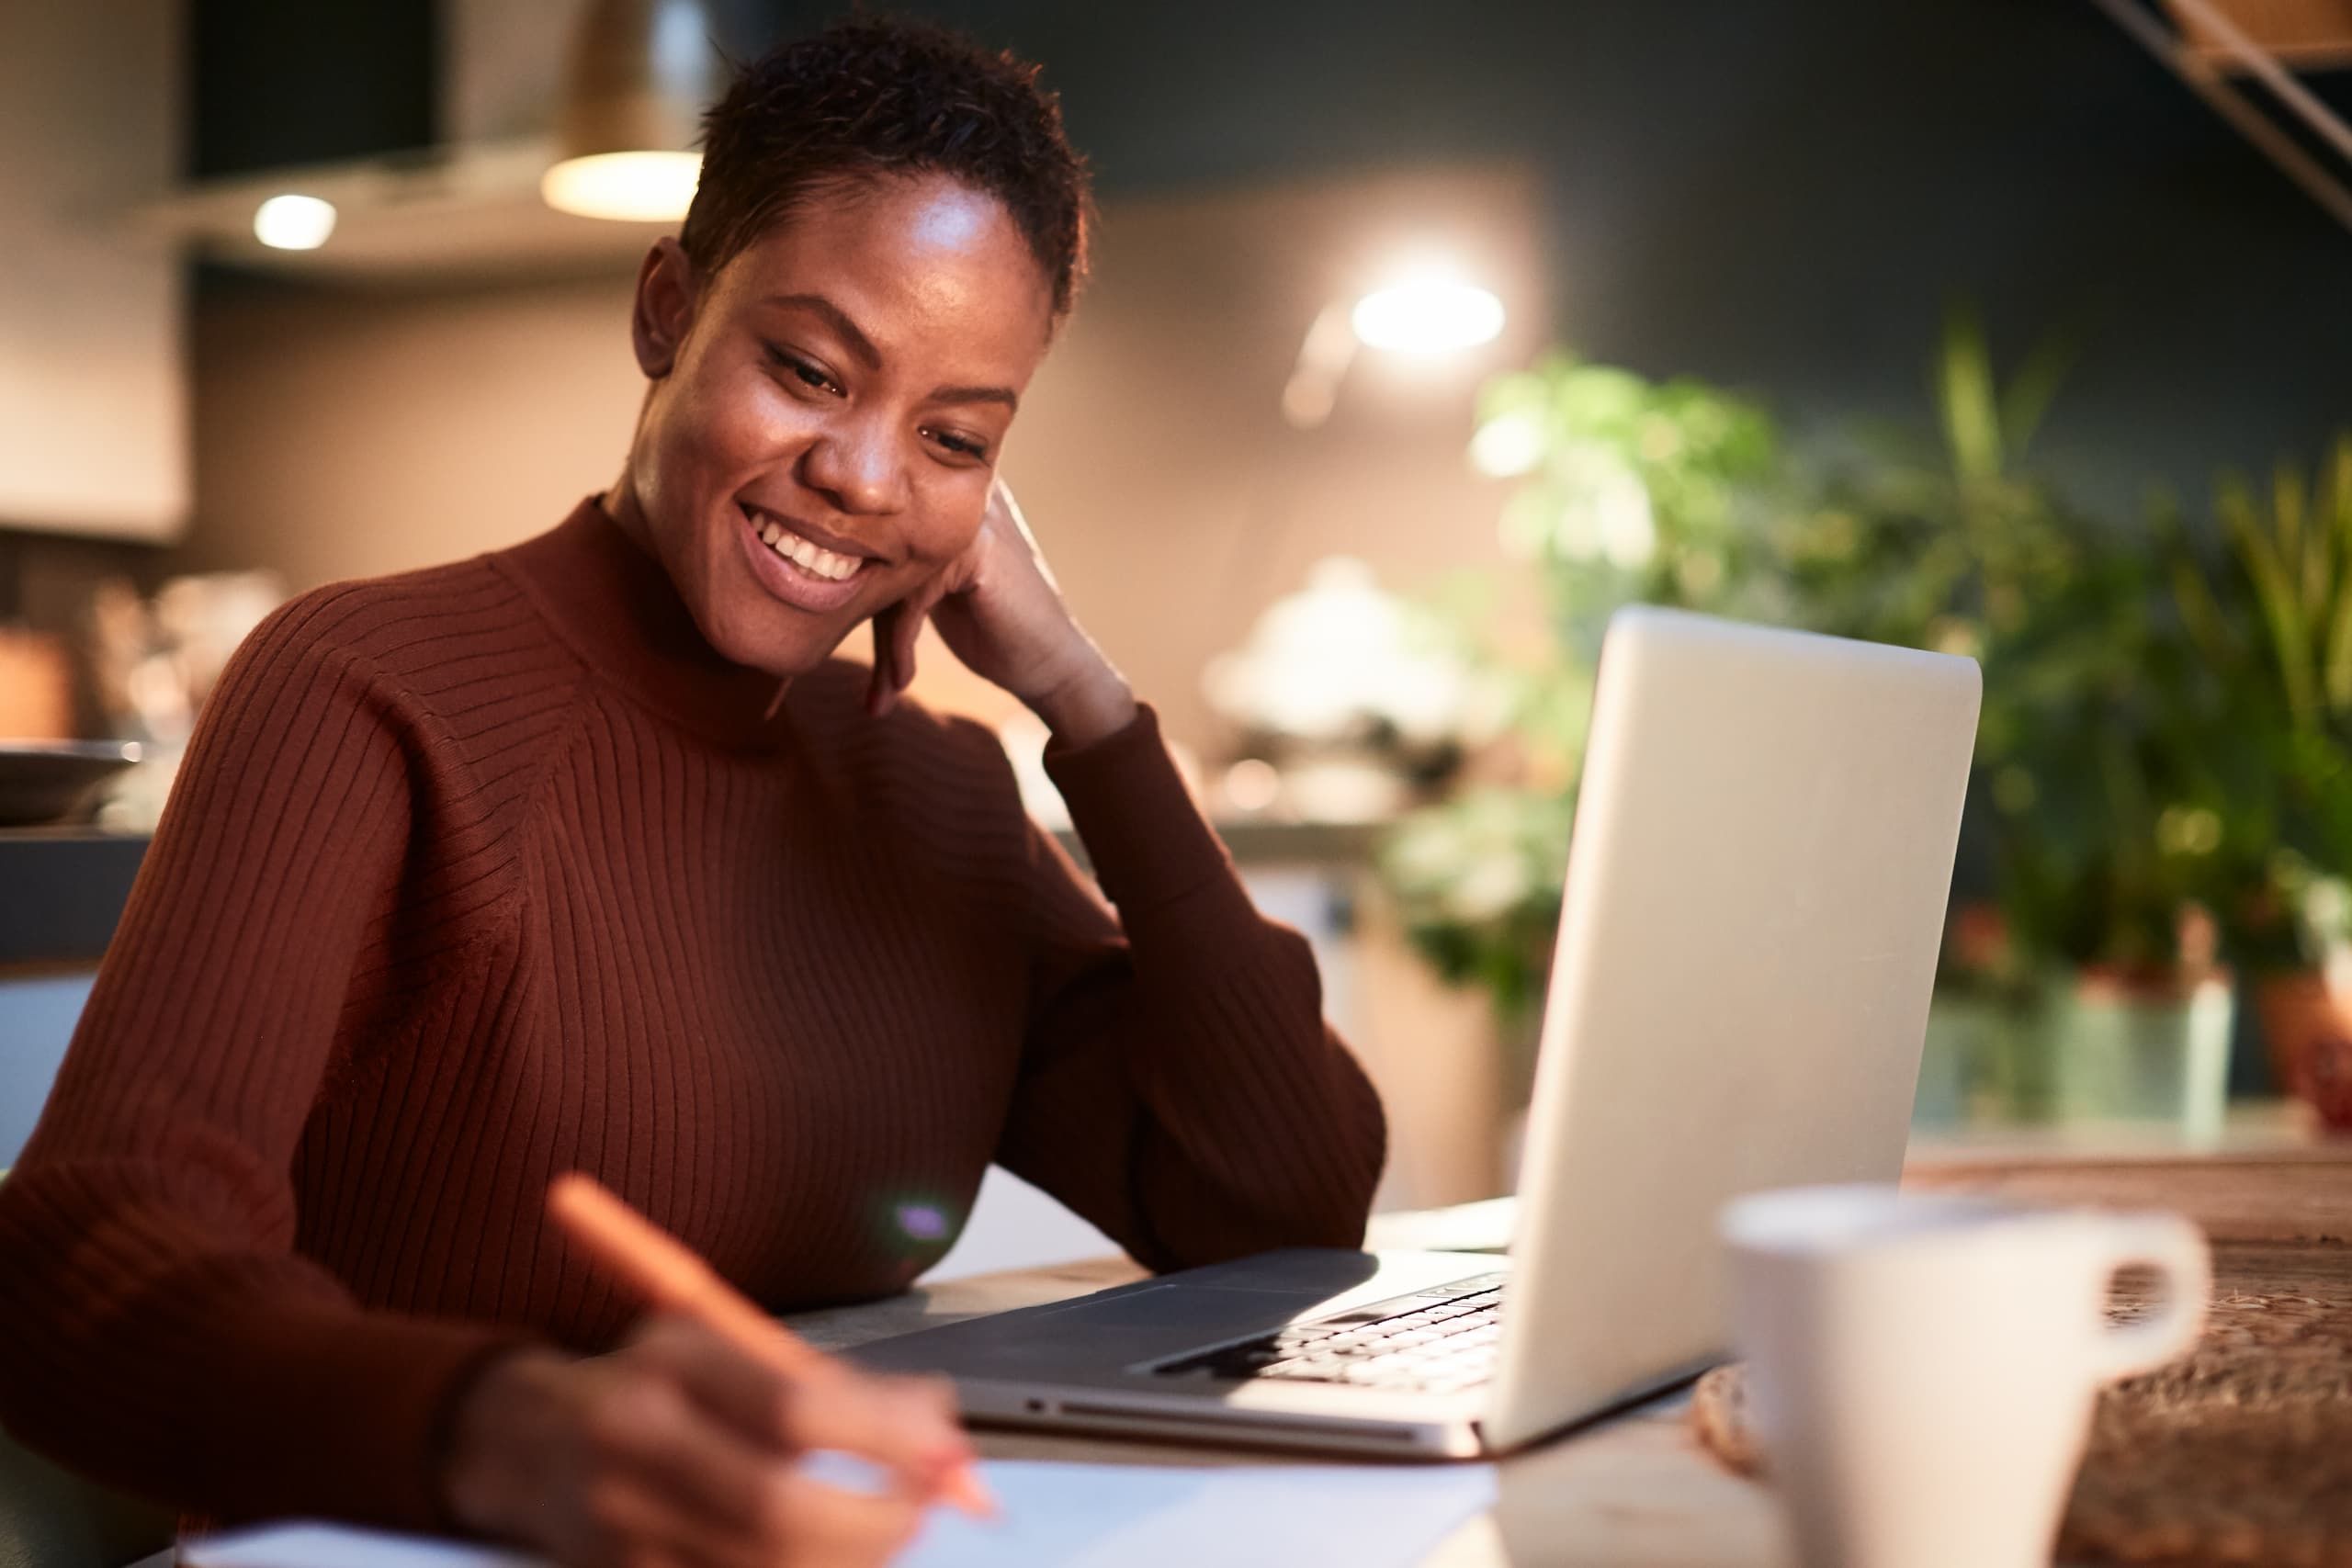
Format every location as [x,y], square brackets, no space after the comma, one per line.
[1921,1369]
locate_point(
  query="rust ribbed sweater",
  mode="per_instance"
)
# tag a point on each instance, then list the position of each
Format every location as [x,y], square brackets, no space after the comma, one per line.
[485,872]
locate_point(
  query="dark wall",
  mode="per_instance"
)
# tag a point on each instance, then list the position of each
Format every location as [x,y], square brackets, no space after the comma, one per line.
[1778,196]
[1784,196]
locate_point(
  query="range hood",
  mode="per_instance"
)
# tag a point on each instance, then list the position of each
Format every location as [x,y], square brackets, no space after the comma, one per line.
[469,206]
[437,214]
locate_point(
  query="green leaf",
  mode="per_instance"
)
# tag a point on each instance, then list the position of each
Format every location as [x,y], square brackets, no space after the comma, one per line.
[2199,611]
[2032,389]
[1966,397]
[2335,676]
[2281,610]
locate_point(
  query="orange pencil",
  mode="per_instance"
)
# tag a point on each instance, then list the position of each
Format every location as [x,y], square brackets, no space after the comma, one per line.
[669,1275]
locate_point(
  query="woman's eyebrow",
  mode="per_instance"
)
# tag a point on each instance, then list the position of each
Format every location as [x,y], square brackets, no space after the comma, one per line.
[862,347]
[836,318]
[978,395]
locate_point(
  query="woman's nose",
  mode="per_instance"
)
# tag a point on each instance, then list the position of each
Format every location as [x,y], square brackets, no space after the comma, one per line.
[858,467]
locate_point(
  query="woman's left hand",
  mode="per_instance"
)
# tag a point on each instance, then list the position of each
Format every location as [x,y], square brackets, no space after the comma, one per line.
[1000,611]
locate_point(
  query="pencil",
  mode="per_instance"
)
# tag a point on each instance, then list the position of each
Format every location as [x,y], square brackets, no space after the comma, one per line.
[671,1277]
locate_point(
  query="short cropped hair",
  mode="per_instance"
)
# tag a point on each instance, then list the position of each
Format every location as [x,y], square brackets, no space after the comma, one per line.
[869,99]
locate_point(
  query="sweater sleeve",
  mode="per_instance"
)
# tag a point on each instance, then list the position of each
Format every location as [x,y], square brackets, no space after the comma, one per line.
[1180,1086]
[162,1337]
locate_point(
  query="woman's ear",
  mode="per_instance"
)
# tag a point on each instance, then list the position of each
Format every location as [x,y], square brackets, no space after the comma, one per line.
[664,309]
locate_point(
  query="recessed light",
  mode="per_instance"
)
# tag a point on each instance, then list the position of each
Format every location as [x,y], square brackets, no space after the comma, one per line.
[293,222]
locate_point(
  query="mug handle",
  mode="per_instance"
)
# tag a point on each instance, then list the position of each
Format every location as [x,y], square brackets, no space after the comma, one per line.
[2175,1249]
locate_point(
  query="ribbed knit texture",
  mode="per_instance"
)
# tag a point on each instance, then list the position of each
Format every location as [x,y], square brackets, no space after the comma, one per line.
[479,875]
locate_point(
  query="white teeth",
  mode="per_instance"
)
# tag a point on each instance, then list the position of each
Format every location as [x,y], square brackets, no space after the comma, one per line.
[812,559]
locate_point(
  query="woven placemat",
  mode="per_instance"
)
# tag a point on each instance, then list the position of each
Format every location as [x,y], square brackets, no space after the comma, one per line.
[2239,1453]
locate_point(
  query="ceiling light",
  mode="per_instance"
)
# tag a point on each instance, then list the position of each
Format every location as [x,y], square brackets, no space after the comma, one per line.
[292,222]
[1427,310]
[1428,316]
[633,94]
[639,188]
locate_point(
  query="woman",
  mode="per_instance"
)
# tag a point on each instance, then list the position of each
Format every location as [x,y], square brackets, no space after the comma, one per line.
[585,854]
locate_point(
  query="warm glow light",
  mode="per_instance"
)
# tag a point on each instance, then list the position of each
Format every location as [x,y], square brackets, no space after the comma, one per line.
[1252,784]
[1508,446]
[637,187]
[1428,315]
[294,222]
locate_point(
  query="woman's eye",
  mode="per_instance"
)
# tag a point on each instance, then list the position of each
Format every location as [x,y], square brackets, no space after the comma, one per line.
[962,446]
[810,375]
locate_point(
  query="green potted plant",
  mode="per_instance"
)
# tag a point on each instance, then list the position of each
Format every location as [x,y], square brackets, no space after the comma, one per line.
[2083,984]
[1946,539]
[2270,612]
[2113,840]
[1630,489]
[2082,980]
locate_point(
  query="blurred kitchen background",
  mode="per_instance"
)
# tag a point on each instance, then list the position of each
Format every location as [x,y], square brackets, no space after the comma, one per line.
[1420,338]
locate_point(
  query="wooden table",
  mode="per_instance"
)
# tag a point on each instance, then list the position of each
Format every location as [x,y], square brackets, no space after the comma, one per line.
[1638,1491]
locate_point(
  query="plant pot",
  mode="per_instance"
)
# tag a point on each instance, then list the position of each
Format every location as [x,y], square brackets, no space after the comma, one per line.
[2130,1051]
[1950,1059]
[1986,1058]
[1965,1061]
[2307,1033]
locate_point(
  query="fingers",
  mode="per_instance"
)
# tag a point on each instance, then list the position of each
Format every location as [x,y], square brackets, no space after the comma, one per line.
[636,1529]
[881,685]
[683,1488]
[1001,504]
[834,1525]
[956,579]
[1000,501]
[806,1522]
[749,1396]
[905,1425]
[897,630]
[905,632]
[654,1433]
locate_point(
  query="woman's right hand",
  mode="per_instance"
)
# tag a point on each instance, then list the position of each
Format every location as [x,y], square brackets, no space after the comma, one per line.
[677,1450]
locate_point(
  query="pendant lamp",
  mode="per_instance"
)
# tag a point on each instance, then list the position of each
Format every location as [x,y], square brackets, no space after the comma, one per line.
[639,75]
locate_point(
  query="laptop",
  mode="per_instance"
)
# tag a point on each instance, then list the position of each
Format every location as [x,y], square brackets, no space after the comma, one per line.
[1756,894]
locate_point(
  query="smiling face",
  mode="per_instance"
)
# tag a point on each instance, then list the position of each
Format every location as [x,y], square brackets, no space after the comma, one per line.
[826,412]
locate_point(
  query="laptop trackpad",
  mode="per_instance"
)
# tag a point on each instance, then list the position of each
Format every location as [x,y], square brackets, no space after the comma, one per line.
[1134,1326]
[1161,1321]
[1177,1304]
[1189,1312]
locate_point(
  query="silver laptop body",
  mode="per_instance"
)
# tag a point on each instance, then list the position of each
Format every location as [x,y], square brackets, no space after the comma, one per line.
[1756,894]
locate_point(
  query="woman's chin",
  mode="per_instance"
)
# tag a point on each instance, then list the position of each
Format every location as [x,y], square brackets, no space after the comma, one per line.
[756,635]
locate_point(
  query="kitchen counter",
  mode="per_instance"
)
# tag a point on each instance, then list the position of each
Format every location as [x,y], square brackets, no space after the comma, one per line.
[61,889]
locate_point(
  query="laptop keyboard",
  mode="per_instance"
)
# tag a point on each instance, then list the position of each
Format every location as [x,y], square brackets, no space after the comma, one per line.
[1434,1341]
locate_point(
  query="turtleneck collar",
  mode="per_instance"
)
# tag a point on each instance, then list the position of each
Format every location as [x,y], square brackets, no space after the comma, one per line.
[615,605]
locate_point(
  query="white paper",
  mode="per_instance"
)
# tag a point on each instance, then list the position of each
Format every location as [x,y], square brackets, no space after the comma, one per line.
[1486,1225]
[1055,1516]
[1116,1515]
[304,1543]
